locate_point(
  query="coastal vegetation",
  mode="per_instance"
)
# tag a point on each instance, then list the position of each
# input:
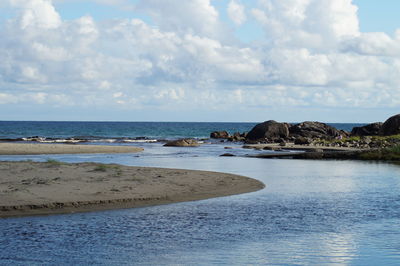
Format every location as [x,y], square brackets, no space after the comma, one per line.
[53,163]
[362,142]
[385,154]
[105,167]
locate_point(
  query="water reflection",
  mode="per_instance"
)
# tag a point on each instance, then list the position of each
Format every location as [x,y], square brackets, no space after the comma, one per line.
[311,212]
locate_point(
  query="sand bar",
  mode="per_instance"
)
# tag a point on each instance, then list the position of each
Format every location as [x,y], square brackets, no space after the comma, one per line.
[32,188]
[33,149]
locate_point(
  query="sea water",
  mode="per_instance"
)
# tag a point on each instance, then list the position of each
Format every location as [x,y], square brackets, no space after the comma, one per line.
[117,130]
[310,213]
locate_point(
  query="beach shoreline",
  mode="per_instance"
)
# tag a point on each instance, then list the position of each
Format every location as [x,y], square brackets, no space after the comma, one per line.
[37,149]
[33,188]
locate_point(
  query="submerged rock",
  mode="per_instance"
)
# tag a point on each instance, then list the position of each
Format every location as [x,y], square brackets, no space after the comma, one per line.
[182,143]
[237,136]
[219,135]
[227,155]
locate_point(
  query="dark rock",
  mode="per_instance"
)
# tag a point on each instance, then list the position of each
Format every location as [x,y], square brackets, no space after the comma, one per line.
[219,135]
[248,141]
[367,130]
[344,133]
[182,143]
[302,141]
[391,126]
[238,137]
[227,155]
[269,148]
[310,129]
[268,130]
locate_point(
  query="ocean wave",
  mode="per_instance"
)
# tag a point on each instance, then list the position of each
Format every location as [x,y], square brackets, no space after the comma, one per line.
[81,139]
[140,140]
[61,141]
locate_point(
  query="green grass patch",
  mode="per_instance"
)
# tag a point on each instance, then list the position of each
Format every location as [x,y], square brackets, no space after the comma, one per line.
[352,139]
[101,168]
[106,167]
[393,149]
[52,162]
[386,154]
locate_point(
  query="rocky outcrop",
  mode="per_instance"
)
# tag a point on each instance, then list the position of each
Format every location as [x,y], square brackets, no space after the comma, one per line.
[237,136]
[314,130]
[391,126]
[268,130]
[302,141]
[367,130]
[182,143]
[219,135]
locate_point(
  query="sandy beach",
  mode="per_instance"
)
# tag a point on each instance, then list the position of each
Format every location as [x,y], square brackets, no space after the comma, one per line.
[35,148]
[32,188]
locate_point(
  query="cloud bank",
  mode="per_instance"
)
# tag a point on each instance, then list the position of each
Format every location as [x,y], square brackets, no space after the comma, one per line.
[312,55]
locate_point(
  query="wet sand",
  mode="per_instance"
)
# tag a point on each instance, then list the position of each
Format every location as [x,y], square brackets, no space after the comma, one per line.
[35,148]
[32,188]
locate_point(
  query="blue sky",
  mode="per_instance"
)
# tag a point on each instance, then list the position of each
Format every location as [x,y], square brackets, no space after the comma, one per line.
[378,15]
[199,60]
[374,15]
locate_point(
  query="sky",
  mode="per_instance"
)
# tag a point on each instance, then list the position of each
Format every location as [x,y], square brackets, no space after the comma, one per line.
[199,60]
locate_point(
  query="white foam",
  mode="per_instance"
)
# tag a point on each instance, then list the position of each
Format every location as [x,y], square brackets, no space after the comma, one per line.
[139,140]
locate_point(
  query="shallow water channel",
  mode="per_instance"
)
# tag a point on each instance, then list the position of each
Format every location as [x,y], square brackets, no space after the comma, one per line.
[310,213]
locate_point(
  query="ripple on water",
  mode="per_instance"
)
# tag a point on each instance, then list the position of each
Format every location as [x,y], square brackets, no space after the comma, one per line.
[317,212]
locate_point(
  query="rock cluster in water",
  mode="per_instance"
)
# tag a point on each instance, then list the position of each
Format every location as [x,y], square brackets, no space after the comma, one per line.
[320,134]
[182,143]
[237,136]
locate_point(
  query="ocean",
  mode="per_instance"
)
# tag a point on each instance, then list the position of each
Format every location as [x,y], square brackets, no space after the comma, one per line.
[120,131]
[324,212]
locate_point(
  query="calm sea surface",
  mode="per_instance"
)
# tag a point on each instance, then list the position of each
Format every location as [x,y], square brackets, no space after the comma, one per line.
[106,130]
[310,213]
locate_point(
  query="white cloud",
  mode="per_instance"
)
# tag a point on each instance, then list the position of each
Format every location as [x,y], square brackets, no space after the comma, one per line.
[170,94]
[314,55]
[197,17]
[126,5]
[7,98]
[37,13]
[236,12]
[307,23]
